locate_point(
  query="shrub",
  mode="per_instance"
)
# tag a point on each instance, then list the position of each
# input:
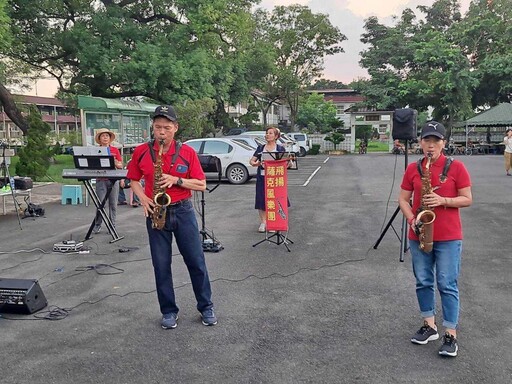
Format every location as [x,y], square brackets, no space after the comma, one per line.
[315,149]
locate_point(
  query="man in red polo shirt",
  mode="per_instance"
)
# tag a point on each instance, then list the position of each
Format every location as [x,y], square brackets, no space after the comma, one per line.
[181,174]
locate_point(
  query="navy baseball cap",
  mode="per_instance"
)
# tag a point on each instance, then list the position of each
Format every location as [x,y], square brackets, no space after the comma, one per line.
[166,111]
[433,128]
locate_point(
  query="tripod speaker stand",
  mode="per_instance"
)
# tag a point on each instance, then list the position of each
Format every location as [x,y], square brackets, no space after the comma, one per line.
[9,181]
[403,231]
[209,163]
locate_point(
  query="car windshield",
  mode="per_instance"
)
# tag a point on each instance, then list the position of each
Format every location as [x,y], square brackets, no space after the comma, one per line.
[243,142]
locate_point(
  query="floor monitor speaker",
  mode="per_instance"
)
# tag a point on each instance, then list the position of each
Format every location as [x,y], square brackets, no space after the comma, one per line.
[21,296]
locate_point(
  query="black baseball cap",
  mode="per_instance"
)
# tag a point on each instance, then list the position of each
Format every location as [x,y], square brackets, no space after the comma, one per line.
[166,111]
[433,128]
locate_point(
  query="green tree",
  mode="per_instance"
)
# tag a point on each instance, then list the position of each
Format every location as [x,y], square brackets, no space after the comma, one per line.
[316,114]
[7,69]
[335,138]
[194,118]
[485,35]
[327,84]
[301,40]
[417,63]
[169,51]
[364,132]
[35,156]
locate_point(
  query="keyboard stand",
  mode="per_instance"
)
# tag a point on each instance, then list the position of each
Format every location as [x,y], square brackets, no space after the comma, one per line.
[100,205]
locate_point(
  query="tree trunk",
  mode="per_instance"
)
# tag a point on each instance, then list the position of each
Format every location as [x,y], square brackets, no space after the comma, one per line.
[11,109]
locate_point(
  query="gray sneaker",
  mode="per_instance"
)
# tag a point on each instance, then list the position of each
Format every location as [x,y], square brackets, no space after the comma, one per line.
[169,321]
[449,347]
[425,334]
[208,317]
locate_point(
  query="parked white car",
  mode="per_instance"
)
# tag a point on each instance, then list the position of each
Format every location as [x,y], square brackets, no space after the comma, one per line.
[289,144]
[250,140]
[303,142]
[234,157]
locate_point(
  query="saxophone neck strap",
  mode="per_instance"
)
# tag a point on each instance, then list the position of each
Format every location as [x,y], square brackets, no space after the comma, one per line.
[151,144]
[446,168]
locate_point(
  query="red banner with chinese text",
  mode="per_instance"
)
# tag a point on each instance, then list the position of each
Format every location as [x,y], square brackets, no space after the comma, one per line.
[276,195]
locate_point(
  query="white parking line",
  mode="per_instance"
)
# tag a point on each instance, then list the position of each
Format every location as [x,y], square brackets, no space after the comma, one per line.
[310,177]
[326,160]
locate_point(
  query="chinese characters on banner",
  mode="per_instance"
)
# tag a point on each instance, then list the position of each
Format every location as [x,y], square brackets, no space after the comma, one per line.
[276,195]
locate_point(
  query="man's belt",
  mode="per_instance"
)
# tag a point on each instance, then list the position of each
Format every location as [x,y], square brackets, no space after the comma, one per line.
[178,203]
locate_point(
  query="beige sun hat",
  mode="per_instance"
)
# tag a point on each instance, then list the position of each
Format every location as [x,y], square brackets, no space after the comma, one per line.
[104,130]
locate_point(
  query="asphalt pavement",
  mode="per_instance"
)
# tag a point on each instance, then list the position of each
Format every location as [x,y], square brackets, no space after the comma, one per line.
[332,310]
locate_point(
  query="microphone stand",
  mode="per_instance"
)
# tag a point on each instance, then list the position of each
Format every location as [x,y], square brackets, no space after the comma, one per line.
[210,243]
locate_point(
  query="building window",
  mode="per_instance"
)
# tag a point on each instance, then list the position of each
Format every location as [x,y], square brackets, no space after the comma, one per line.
[340,109]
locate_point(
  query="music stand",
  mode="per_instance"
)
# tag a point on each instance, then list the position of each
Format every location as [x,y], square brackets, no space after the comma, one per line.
[403,231]
[7,177]
[277,237]
[212,164]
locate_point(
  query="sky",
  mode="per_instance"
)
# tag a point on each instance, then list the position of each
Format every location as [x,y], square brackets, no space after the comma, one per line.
[349,17]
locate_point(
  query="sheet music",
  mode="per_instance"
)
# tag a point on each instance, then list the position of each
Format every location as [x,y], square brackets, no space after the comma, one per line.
[91,151]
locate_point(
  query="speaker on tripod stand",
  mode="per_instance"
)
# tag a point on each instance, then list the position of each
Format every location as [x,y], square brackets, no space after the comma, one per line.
[404,128]
[210,164]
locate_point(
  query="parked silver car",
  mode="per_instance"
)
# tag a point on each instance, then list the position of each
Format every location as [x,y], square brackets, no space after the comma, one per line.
[234,157]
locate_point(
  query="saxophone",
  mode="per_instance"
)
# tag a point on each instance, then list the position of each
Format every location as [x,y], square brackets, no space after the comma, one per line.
[160,197]
[425,218]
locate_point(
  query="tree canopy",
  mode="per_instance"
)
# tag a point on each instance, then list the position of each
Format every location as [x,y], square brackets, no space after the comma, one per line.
[441,59]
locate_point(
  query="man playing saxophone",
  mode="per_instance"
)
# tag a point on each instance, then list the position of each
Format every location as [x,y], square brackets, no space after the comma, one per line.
[173,169]
[445,190]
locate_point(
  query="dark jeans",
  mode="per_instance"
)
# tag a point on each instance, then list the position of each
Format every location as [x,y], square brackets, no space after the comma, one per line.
[180,221]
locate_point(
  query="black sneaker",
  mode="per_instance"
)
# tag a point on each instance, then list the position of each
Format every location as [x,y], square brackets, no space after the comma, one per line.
[449,347]
[425,334]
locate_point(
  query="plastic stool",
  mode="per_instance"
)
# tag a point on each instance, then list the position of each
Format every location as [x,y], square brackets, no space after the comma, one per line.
[71,194]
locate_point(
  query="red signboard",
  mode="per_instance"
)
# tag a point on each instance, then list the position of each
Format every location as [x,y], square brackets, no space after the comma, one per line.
[276,195]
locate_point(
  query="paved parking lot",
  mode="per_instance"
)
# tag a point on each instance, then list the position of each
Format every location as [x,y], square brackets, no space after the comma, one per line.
[333,310]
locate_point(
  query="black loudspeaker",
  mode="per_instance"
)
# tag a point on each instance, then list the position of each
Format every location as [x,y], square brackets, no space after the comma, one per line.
[404,124]
[210,163]
[21,296]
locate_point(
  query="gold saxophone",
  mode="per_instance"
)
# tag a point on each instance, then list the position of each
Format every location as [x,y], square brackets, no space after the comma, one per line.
[160,197]
[425,218]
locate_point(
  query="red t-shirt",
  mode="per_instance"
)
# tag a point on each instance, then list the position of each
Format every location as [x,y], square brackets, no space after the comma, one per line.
[447,225]
[115,152]
[187,166]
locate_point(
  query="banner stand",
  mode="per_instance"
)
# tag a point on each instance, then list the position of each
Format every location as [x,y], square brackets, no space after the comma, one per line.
[276,199]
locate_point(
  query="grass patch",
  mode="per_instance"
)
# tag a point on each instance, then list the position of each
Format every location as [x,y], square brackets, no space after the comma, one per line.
[54,172]
[375,146]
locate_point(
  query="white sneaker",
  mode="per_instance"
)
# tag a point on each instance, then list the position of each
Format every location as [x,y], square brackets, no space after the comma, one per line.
[261,228]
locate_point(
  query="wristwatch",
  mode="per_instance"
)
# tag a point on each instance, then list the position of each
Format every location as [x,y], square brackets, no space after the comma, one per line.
[179,182]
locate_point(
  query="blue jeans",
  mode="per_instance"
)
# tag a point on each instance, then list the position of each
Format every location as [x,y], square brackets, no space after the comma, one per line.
[180,221]
[444,262]
[101,191]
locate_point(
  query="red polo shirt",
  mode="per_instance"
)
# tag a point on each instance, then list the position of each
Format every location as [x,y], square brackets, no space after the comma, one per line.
[447,225]
[187,166]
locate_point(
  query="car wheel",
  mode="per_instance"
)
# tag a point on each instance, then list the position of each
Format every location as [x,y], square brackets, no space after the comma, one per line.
[237,174]
[302,152]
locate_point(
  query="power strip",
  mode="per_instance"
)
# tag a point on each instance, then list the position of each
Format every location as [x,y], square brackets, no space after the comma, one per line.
[68,246]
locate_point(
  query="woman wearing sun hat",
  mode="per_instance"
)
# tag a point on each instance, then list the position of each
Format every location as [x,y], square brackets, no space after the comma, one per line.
[104,138]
